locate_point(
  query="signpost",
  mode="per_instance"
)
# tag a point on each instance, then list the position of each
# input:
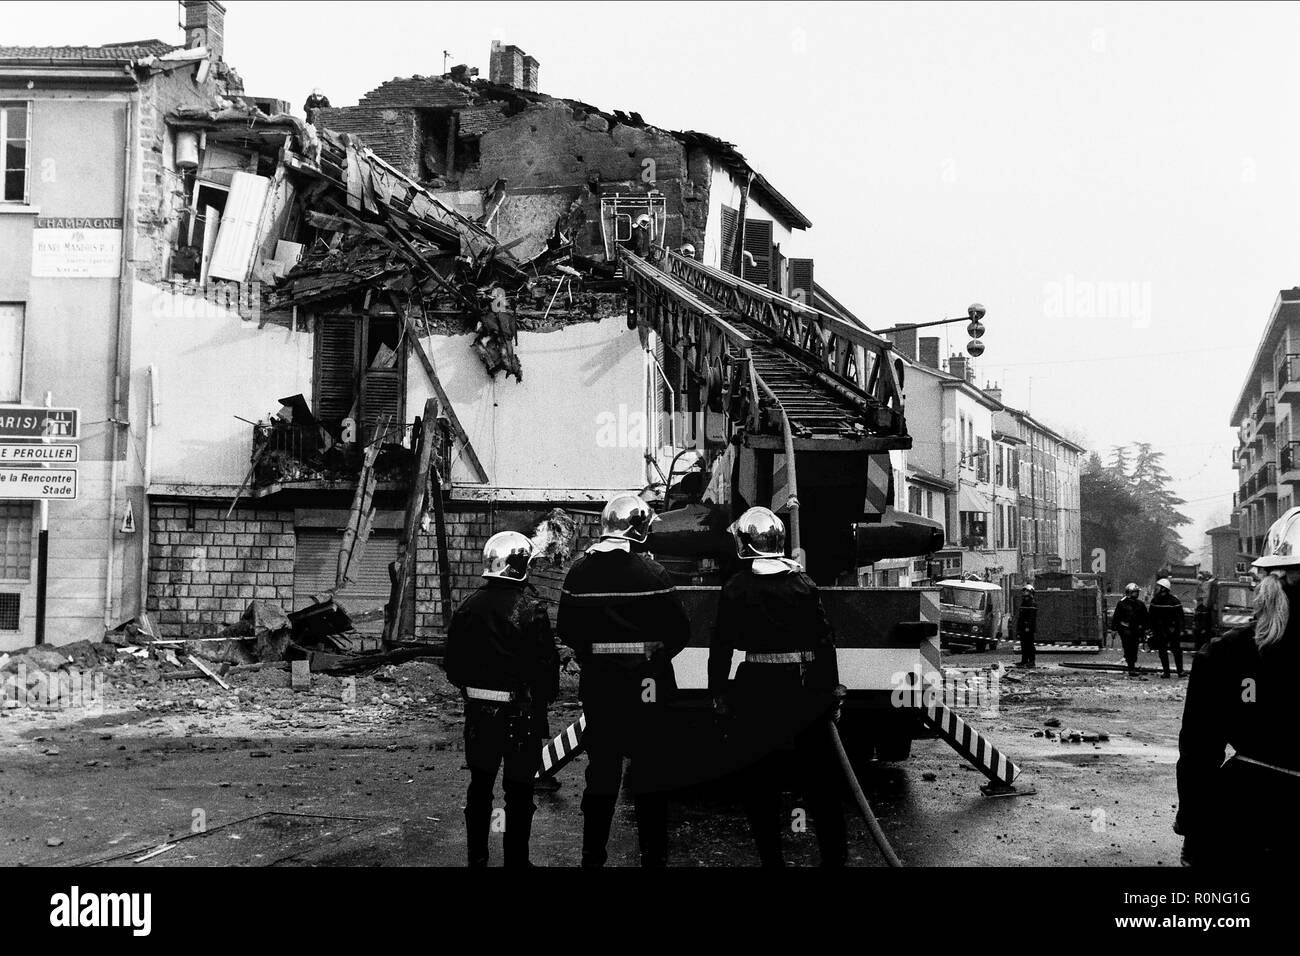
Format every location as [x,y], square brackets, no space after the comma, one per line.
[29,437]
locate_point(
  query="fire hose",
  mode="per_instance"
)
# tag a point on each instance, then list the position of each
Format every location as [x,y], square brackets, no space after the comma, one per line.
[864,807]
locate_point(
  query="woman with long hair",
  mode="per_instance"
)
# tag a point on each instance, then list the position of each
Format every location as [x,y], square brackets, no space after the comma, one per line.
[1241,695]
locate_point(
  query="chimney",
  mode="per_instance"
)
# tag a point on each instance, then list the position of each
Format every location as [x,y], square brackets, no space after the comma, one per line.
[959,366]
[510,66]
[928,351]
[905,341]
[530,73]
[205,26]
[994,392]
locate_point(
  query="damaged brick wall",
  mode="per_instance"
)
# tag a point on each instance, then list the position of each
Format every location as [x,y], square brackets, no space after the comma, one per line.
[467,532]
[203,576]
[395,134]
[161,200]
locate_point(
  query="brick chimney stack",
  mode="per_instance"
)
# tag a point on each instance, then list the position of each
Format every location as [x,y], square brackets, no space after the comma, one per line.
[960,366]
[905,341]
[928,351]
[511,66]
[205,26]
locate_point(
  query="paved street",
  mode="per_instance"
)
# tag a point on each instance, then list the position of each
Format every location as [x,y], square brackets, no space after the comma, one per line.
[282,778]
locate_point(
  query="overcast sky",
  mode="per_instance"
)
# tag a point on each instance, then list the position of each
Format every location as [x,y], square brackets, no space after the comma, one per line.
[1118,184]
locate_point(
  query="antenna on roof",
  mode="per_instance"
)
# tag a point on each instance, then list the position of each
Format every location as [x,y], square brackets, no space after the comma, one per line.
[445,55]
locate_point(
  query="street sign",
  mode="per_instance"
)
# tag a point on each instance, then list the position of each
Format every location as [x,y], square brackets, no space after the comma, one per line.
[51,484]
[22,454]
[37,421]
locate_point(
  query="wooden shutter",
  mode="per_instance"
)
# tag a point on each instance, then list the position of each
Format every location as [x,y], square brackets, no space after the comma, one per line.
[800,272]
[758,243]
[730,219]
[232,256]
[381,398]
[336,362]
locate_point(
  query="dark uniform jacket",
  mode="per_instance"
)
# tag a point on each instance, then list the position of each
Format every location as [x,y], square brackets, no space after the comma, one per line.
[772,614]
[500,639]
[1130,616]
[620,597]
[1166,619]
[1027,618]
[1240,695]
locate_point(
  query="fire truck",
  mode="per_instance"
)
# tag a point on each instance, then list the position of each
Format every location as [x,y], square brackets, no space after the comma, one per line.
[803,408]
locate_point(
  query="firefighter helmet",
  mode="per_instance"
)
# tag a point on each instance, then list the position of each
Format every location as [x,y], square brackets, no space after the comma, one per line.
[759,533]
[1164,583]
[1131,588]
[1282,545]
[1027,587]
[506,555]
[626,517]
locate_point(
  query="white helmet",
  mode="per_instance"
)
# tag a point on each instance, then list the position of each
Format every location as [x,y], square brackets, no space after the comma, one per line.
[1131,588]
[1282,546]
[506,555]
[1164,583]
[627,517]
[1027,587]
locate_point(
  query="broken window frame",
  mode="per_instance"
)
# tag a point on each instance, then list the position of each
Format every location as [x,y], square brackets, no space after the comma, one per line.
[619,207]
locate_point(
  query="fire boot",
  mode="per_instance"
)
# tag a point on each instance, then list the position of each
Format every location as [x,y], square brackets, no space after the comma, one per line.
[597,818]
[478,822]
[519,823]
[652,829]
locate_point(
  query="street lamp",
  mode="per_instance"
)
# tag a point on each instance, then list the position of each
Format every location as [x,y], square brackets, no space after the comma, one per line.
[974,317]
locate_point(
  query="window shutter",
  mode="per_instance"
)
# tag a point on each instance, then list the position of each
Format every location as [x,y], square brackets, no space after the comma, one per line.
[801,278]
[336,348]
[730,218]
[758,243]
[381,397]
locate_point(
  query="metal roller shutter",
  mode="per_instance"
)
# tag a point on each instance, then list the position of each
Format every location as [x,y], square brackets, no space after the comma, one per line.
[316,566]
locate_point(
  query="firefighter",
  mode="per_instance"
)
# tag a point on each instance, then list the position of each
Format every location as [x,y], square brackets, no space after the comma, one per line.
[1130,623]
[1239,812]
[1027,625]
[502,656]
[620,614]
[316,101]
[786,690]
[1166,620]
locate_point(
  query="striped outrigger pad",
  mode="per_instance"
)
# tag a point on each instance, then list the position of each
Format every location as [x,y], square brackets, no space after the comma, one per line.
[969,742]
[563,748]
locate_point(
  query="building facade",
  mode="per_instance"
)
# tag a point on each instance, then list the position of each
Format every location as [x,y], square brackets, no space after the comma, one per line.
[1267,456]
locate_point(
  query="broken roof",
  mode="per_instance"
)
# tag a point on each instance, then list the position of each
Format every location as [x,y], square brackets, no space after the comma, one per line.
[442,92]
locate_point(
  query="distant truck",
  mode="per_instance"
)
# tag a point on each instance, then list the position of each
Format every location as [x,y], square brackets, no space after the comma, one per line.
[1229,605]
[1069,615]
[1191,589]
[971,614]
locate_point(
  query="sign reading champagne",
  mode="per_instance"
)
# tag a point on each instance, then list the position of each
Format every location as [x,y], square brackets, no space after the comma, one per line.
[72,248]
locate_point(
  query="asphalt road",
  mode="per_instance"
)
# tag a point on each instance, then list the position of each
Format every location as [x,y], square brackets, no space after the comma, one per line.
[267,778]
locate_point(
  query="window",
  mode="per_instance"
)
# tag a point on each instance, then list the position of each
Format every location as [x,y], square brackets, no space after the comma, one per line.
[360,372]
[974,528]
[15,143]
[999,466]
[758,243]
[799,278]
[929,504]
[914,500]
[982,459]
[16,526]
[730,219]
[11,352]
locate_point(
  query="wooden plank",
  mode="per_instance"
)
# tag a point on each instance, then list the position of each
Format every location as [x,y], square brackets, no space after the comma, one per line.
[413,337]
[414,508]
[444,557]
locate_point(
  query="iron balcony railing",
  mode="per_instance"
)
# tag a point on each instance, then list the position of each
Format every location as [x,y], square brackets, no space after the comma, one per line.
[1289,456]
[1265,406]
[290,453]
[1266,477]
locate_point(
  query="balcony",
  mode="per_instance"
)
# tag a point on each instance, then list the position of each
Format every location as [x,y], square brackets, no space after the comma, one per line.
[289,455]
[1265,416]
[1266,481]
[1289,463]
[1288,380]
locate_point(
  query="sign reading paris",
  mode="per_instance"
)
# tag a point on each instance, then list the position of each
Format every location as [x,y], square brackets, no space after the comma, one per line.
[37,421]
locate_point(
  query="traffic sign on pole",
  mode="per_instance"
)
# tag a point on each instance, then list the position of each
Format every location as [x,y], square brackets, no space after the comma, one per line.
[38,421]
[38,484]
[36,453]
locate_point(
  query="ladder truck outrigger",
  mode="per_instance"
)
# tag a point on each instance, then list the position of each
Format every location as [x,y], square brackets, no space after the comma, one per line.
[810,405]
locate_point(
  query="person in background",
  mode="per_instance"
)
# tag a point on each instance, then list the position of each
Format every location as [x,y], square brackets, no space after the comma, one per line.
[1239,812]
[1130,623]
[316,101]
[1167,621]
[1027,625]
[502,656]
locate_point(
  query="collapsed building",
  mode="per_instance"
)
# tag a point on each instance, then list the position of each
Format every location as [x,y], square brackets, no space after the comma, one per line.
[451,239]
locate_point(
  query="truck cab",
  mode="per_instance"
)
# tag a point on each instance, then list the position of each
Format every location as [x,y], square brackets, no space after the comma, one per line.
[971,613]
